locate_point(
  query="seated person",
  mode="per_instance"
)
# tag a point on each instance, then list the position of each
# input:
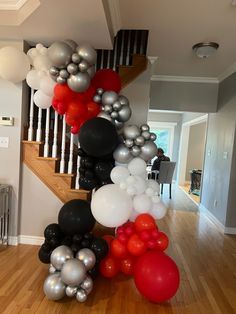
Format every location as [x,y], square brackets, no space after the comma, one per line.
[157,162]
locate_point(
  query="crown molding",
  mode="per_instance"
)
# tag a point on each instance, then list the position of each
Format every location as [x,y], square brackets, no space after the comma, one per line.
[115,15]
[188,79]
[10,5]
[229,71]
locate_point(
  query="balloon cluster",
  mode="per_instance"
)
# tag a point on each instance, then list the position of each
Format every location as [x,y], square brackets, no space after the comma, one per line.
[137,246]
[138,141]
[115,107]
[72,64]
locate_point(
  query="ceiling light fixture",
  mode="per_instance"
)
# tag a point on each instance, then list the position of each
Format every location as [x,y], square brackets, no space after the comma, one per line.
[205,49]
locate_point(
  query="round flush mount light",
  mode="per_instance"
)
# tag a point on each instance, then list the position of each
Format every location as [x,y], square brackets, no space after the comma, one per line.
[205,49]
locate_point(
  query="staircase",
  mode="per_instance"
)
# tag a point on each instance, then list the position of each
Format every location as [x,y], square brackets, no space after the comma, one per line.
[49,150]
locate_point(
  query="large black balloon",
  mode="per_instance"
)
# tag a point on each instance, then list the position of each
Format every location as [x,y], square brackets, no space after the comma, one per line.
[76,217]
[98,137]
[103,169]
[100,248]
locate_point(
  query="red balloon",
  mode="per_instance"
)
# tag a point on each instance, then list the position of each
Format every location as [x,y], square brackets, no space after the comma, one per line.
[144,222]
[145,235]
[77,110]
[123,238]
[136,246]
[107,79]
[127,265]
[108,238]
[109,267]
[63,93]
[118,249]
[93,109]
[156,276]
[75,129]
[162,241]
[72,120]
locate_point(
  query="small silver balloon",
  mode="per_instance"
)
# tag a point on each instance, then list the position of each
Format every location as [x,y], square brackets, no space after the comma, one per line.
[60,255]
[54,71]
[122,154]
[97,98]
[60,80]
[104,115]
[60,54]
[108,108]
[124,114]
[87,257]
[100,91]
[148,150]
[83,66]
[135,151]
[71,43]
[139,140]
[123,100]
[129,143]
[108,98]
[71,291]
[116,105]
[54,288]
[114,115]
[119,125]
[64,74]
[52,269]
[131,132]
[73,272]
[91,71]
[146,135]
[153,137]
[72,68]
[81,295]
[87,284]
[87,52]
[76,58]
[79,82]
[144,127]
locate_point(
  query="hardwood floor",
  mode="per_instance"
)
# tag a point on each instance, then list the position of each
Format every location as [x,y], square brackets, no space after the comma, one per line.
[194,197]
[206,259]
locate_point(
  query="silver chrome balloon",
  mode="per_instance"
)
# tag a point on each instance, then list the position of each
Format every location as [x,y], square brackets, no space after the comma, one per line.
[54,71]
[119,125]
[108,98]
[146,135]
[54,288]
[79,82]
[153,137]
[131,132]
[60,80]
[60,255]
[60,54]
[83,66]
[123,100]
[139,140]
[87,284]
[116,105]
[91,71]
[124,114]
[71,43]
[81,295]
[122,154]
[52,269]
[104,115]
[129,143]
[64,74]
[87,257]
[144,127]
[71,291]
[73,272]
[108,108]
[135,151]
[97,98]
[76,58]
[148,150]
[100,91]
[88,53]
[72,68]
[114,115]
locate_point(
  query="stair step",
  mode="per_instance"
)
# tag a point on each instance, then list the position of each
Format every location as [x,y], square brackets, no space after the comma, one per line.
[32,142]
[48,158]
[67,175]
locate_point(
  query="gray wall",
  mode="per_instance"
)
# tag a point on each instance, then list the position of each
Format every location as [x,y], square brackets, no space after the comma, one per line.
[219,180]
[196,148]
[183,96]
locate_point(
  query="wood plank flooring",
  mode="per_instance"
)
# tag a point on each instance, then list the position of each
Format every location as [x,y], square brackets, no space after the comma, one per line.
[206,259]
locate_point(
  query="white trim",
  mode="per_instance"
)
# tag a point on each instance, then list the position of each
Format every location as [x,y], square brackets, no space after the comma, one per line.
[13,240]
[229,230]
[204,211]
[187,79]
[12,4]
[157,124]
[165,111]
[230,70]
[115,15]
[26,239]
[197,120]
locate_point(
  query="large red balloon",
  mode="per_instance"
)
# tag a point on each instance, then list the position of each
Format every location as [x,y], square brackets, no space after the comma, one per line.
[156,276]
[109,266]
[107,79]
[144,222]
[63,93]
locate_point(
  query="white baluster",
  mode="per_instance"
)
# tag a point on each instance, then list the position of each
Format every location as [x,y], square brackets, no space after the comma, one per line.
[77,173]
[31,116]
[63,145]
[70,163]
[54,146]
[39,130]
[46,144]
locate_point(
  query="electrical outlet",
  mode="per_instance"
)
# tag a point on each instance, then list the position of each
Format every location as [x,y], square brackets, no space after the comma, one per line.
[209,152]
[4,142]
[225,155]
[215,203]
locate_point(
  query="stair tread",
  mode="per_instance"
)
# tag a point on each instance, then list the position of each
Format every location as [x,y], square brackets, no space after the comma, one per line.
[79,190]
[32,142]
[57,174]
[48,158]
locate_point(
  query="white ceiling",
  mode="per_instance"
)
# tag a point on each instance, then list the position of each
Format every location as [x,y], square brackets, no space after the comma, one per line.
[175,26]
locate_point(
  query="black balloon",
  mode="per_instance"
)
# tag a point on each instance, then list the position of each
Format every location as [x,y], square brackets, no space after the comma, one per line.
[66,241]
[103,169]
[46,247]
[44,255]
[76,217]
[81,153]
[89,174]
[94,271]
[88,236]
[54,242]
[51,231]
[98,137]
[85,243]
[77,238]
[88,183]
[75,248]
[100,248]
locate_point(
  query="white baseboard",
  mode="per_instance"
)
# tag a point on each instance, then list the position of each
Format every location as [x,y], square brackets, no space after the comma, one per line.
[25,239]
[230,230]
[13,241]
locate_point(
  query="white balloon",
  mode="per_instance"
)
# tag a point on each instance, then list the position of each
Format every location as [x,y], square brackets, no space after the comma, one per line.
[133,215]
[111,206]
[119,174]
[158,210]
[149,191]
[131,190]
[42,63]
[32,53]
[42,100]
[142,203]
[39,46]
[156,199]
[43,51]
[154,185]
[137,166]
[33,79]
[130,180]
[47,85]
[123,186]
[14,64]
[139,184]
